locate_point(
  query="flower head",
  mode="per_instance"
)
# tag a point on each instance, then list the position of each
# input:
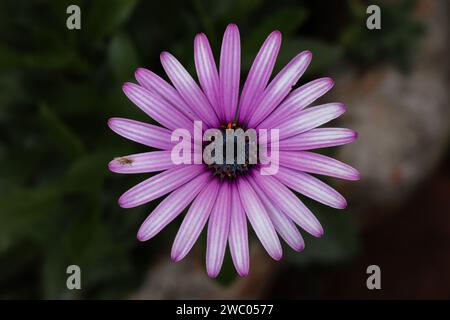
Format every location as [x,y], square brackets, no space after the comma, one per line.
[225,191]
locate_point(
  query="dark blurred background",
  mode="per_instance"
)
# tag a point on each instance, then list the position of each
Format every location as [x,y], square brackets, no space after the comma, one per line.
[58,202]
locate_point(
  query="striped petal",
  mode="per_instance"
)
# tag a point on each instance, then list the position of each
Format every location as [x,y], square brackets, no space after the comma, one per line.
[259,75]
[229,73]
[259,219]
[311,187]
[194,221]
[280,87]
[142,162]
[159,185]
[289,203]
[317,163]
[284,226]
[171,207]
[143,133]
[297,100]
[152,82]
[319,138]
[238,237]
[156,107]
[310,118]
[189,89]
[207,70]
[218,229]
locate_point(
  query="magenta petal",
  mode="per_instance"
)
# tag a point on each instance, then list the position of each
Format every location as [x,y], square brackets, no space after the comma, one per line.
[156,107]
[171,207]
[259,219]
[288,202]
[218,231]
[194,221]
[279,87]
[259,75]
[152,82]
[229,73]
[159,185]
[297,100]
[310,118]
[284,226]
[311,187]
[238,237]
[207,70]
[318,138]
[317,163]
[142,162]
[140,132]
[189,90]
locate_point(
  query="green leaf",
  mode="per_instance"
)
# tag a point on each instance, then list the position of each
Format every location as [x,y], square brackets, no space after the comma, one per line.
[66,140]
[106,16]
[122,56]
[339,242]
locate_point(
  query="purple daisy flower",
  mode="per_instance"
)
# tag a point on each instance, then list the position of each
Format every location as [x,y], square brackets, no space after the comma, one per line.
[226,195]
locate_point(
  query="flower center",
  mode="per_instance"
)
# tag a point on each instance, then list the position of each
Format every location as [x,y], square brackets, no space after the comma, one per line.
[240,162]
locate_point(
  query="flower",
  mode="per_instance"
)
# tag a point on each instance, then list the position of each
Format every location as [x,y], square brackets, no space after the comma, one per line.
[226,195]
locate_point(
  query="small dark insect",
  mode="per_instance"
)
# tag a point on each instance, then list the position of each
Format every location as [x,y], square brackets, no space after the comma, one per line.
[124,160]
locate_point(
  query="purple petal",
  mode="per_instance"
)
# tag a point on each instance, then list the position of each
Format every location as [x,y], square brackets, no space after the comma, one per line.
[207,70]
[159,185]
[238,237]
[319,138]
[218,230]
[311,187]
[317,163]
[140,132]
[279,87]
[259,219]
[142,162]
[297,100]
[189,90]
[285,227]
[310,118]
[171,207]
[156,107]
[259,75]
[194,221]
[289,203]
[230,68]
[152,82]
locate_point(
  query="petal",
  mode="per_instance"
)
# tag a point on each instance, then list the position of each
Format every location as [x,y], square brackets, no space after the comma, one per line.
[140,132]
[289,203]
[238,237]
[259,75]
[311,187]
[142,162]
[279,87]
[310,118]
[218,229]
[230,66]
[159,185]
[152,82]
[317,163]
[171,207]
[259,219]
[156,107]
[319,138]
[297,100]
[189,90]
[194,221]
[284,225]
[207,70]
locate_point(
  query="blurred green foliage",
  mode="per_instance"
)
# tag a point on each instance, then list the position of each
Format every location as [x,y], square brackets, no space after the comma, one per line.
[58,202]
